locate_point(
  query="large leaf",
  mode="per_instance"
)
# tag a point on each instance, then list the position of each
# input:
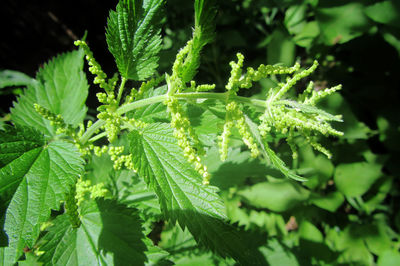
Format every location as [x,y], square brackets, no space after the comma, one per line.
[306,36]
[184,250]
[330,202]
[236,169]
[109,234]
[277,196]
[309,109]
[295,18]
[204,23]
[133,37]
[155,112]
[341,23]
[386,12]
[61,87]
[19,148]
[278,253]
[203,33]
[44,174]
[354,179]
[281,49]
[182,196]
[269,154]
[14,78]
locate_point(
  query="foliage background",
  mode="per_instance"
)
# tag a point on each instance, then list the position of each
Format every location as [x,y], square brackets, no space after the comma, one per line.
[348,213]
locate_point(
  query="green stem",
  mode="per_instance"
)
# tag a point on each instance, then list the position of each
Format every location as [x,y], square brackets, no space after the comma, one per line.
[132,106]
[121,89]
[220,96]
[98,136]
[91,130]
[160,98]
[189,95]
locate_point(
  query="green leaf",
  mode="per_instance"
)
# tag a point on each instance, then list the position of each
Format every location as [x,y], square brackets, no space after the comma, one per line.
[354,179]
[378,194]
[133,192]
[155,112]
[269,154]
[133,37]
[155,255]
[207,117]
[330,202]
[276,196]
[184,250]
[316,167]
[30,260]
[352,128]
[5,255]
[19,148]
[307,35]
[310,232]
[341,23]
[295,18]
[386,12]
[203,33]
[392,37]
[110,234]
[235,169]
[389,258]
[376,236]
[204,24]
[350,243]
[14,78]
[281,49]
[278,254]
[181,194]
[61,87]
[308,109]
[44,178]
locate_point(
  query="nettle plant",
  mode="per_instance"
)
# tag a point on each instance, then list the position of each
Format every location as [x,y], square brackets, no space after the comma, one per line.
[65,205]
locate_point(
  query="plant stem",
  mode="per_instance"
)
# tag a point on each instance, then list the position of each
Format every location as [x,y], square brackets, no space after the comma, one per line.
[189,95]
[98,136]
[91,130]
[160,98]
[131,106]
[220,96]
[121,89]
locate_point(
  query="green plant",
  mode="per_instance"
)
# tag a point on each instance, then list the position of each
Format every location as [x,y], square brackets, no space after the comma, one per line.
[147,143]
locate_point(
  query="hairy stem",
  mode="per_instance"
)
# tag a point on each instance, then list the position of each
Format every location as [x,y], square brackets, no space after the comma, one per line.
[91,130]
[160,98]
[98,136]
[121,89]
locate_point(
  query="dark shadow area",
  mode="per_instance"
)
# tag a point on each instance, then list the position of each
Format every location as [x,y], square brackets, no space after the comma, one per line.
[225,239]
[121,227]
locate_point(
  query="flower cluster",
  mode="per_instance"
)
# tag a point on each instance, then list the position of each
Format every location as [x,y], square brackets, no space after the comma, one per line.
[188,141]
[234,115]
[184,133]
[145,86]
[108,113]
[119,159]
[84,187]
[286,116]
[109,103]
[71,207]
[56,120]
[301,116]
[63,128]
[95,69]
